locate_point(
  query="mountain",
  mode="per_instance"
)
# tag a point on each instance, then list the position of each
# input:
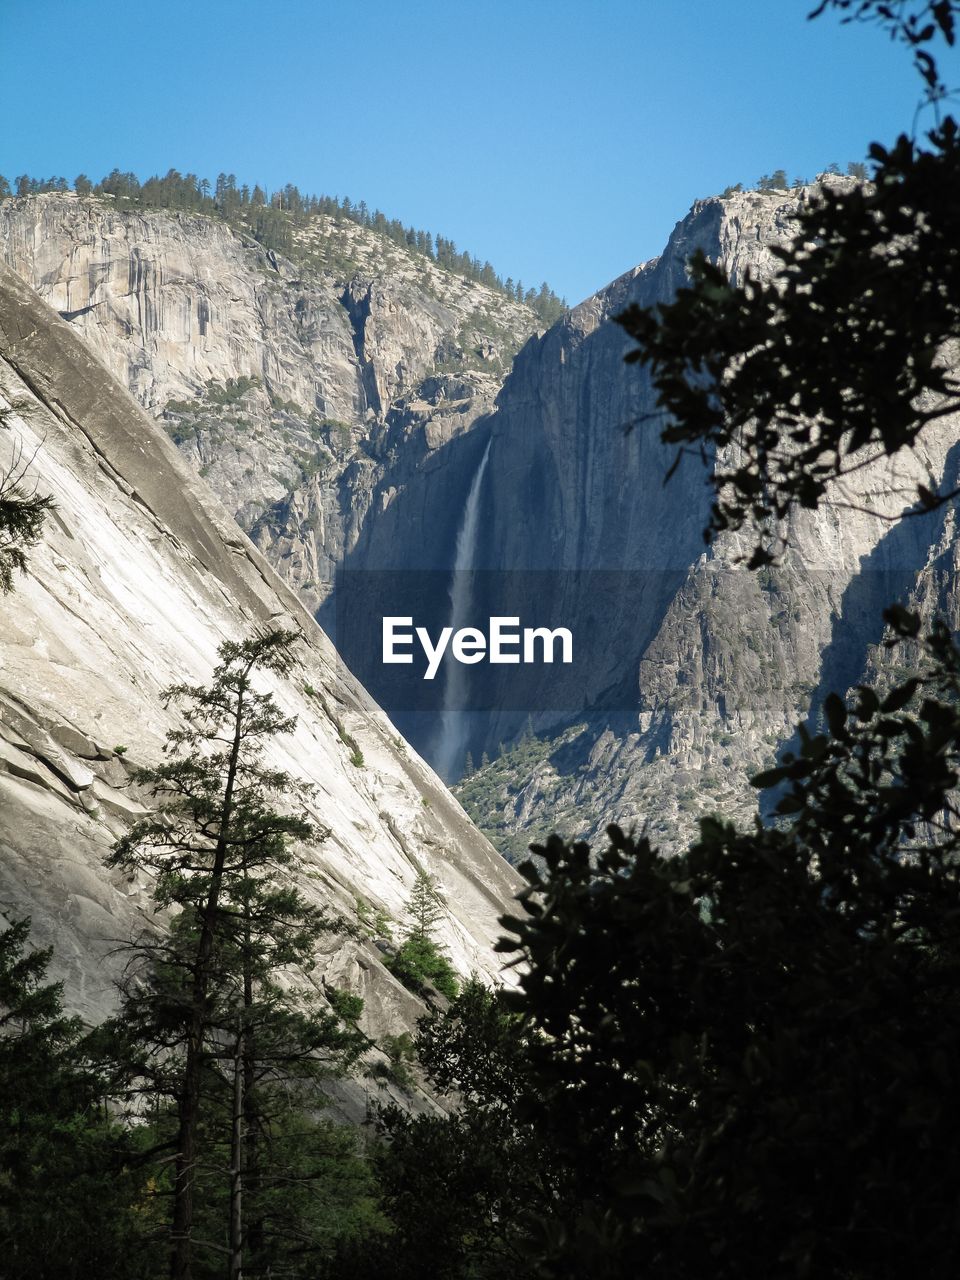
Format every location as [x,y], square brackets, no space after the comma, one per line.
[305,389]
[691,671]
[140,574]
[711,665]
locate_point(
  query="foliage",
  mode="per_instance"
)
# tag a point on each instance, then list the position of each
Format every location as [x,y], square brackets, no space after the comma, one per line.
[399,1050]
[426,906]
[232,390]
[213,785]
[776,181]
[741,1062]
[475,1049]
[316,1194]
[83,1194]
[489,792]
[347,1006]
[205,1020]
[738,1062]
[69,1182]
[348,740]
[747,1058]
[744,1057]
[450,1184]
[22,512]
[420,964]
[272,218]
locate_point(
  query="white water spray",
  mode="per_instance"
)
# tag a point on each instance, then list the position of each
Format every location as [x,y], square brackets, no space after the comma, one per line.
[454,722]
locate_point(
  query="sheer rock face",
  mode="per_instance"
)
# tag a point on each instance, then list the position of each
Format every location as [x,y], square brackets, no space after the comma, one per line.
[711,666]
[172,301]
[139,575]
[307,393]
[714,665]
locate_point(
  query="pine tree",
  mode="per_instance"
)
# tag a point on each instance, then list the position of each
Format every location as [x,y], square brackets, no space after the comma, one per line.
[425,907]
[218,851]
[22,513]
[68,1179]
[419,962]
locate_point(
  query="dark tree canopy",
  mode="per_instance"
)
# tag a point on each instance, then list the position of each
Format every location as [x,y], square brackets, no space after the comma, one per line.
[748,1053]
[457,1188]
[69,1179]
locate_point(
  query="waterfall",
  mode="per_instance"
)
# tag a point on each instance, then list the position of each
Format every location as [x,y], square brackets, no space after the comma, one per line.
[453,731]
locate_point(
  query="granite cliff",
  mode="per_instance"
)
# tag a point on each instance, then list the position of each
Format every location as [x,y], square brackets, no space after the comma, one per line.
[306,390]
[697,671]
[140,574]
[716,664]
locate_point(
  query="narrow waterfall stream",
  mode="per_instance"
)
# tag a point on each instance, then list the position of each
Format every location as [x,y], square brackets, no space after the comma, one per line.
[453,730]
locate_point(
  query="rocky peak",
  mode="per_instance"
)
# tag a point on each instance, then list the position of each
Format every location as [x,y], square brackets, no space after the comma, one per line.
[333,400]
[293,385]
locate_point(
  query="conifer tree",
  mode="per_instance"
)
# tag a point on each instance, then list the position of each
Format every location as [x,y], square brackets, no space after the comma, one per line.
[218,850]
[425,907]
[67,1180]
[420,963]
[22,512]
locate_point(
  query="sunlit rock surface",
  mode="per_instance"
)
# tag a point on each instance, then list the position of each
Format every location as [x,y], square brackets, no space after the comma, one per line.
[697,671]
[362,357]
[140,574]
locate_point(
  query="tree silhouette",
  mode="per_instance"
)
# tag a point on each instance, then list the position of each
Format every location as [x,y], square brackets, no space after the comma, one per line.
[69,1178]
[745,1057]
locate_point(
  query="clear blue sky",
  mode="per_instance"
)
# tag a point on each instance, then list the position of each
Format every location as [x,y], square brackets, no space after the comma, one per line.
[561,139]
